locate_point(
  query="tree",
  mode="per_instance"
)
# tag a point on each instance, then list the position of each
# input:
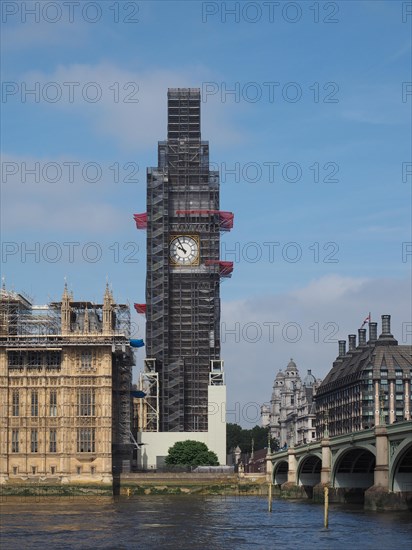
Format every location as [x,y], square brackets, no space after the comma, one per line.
[233,436]
[236,435]
[191,453]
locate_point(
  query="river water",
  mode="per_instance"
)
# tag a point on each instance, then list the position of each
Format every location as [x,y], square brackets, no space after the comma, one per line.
[196,522]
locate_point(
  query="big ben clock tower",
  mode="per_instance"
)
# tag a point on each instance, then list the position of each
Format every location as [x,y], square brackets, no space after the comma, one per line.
[184,272]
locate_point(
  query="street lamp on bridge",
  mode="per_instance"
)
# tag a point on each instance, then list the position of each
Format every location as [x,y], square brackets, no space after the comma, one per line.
[326,424]
[382,407]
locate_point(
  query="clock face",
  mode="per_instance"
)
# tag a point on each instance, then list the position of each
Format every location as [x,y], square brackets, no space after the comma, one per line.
[184,250]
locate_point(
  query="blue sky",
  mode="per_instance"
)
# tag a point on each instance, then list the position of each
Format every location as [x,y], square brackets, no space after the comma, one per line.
[314,101]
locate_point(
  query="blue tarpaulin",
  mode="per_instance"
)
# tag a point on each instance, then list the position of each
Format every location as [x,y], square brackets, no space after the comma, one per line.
[136,343]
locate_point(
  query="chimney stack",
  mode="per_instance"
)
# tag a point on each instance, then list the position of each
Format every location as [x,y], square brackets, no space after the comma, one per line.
[386,338]
[352,342]
[386,325]
[362,337]
[373,332]
[342,348]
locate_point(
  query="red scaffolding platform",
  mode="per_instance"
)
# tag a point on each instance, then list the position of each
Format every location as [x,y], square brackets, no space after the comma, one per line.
[140,308]
[225,268]
[141,220]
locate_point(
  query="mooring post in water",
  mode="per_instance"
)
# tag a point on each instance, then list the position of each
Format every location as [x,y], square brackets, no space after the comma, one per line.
[326,509]
[270,497]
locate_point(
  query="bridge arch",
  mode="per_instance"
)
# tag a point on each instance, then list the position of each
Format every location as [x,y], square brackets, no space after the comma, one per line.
[353,467]
[280,472]
[401,473]
[308,471]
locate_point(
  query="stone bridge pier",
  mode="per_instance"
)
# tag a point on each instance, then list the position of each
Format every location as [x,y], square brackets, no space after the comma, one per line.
[373,467]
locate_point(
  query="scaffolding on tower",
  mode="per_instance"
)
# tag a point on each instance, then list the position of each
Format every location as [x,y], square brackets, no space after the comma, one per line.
[148,408]
[182,301]
[225,219]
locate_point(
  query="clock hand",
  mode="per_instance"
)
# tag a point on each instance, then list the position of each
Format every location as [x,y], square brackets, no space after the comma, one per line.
[181,246]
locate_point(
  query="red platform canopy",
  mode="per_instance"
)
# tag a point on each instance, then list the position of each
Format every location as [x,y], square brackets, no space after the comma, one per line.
[226,220]
[140,308]
[141,220]
[225,268]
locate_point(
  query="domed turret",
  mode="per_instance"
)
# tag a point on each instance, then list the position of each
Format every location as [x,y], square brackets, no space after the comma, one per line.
[291,365]
[309,379]
[292,369]
[279,380]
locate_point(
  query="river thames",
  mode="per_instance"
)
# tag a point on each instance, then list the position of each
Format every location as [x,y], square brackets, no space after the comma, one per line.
[195,522]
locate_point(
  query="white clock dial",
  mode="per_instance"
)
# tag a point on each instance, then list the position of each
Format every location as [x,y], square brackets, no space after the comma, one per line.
[184,250]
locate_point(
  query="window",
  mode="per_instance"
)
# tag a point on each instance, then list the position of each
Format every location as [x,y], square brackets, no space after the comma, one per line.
[33,470]
[16,403]
[85,402]
[53,359]
[53,441]
[15,441]
[92,470]
[79,470]
[15,470]
[34,403]
[87,359]
[52,470]
[313,435]
[34,441]
[34,360]
[15,360]
[85,440]
[53,403]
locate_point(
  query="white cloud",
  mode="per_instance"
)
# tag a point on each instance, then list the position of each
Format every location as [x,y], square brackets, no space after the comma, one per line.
[327,289]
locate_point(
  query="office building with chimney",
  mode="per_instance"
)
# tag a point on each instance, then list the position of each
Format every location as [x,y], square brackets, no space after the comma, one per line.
[371,378]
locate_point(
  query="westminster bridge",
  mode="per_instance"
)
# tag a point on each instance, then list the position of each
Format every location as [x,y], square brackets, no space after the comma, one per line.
[373,466]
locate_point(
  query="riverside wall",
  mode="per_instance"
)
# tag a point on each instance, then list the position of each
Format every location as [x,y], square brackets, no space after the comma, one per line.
[139,484]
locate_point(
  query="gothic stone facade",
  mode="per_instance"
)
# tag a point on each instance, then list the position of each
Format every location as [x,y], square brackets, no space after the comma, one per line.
[60,369]
[291,414]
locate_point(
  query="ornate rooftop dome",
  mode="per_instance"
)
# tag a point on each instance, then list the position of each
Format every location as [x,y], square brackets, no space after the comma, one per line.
[309,379]
[291,365]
